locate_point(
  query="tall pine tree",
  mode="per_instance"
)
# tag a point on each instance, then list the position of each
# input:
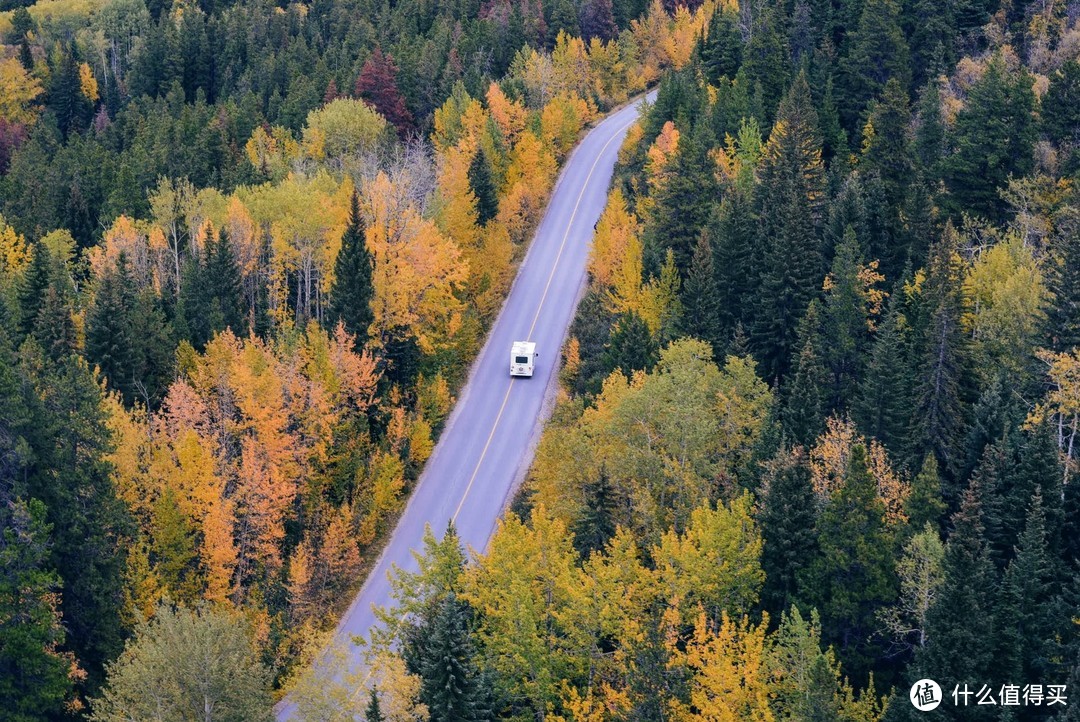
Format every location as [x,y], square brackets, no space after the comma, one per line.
[352,290]
[791,200]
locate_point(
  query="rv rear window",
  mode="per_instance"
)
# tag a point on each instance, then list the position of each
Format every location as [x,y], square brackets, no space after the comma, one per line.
[521,359]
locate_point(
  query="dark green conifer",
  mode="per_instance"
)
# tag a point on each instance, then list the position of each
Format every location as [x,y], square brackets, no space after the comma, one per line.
[701,298]
[924,504]
[805,406]
[352,291]
[631,346]
[596,523]
[373,713]
[852,575]
[722,46]
[487,199]
[876,52]
[791,210]
[994,135]
[787,517]
[882,408]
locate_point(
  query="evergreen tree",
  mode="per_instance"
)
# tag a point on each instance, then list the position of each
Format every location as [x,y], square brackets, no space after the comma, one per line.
[941,355]
[791,192]
[877,51]
[787,527]
[924,504]
[1060,107]
[352,290]
[958,650]
[722,46]
[373,713]
[595,524]
[929,141]
[852,575]
[110,341]
[597,19]
[1025,617]
[994,136]
[54,328]
[487,199]
[26,57]
[701,298]
[887,153]
[66,434]
[845,321]
[805,404]
[1063,314]
[631,346]
[929,27]
[32,289]
[683,201]
[766,59]
[882,408]
[732,230]
[34,680]
[378,85]
[64,95]
[450,685]
[224,288]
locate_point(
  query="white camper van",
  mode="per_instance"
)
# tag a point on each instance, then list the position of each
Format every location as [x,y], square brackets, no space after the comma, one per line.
[522,358]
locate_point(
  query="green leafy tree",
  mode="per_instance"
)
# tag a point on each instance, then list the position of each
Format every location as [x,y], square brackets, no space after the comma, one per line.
[352,291]
[188,664]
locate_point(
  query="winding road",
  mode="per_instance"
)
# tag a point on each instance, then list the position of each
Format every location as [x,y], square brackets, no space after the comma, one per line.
[489,439]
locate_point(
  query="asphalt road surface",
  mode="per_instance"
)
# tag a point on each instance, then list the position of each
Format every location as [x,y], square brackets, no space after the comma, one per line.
[488,441]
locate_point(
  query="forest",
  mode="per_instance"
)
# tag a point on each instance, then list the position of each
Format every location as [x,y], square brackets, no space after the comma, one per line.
[815,435]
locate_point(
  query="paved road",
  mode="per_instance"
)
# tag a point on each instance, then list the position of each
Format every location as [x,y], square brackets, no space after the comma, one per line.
[489,436]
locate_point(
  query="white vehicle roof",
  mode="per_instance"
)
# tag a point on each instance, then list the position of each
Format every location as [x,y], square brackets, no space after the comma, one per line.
[523,348]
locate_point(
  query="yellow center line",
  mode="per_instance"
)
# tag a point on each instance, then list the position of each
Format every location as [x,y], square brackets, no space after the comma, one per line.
[547,287]
[483,452]
[570,224]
